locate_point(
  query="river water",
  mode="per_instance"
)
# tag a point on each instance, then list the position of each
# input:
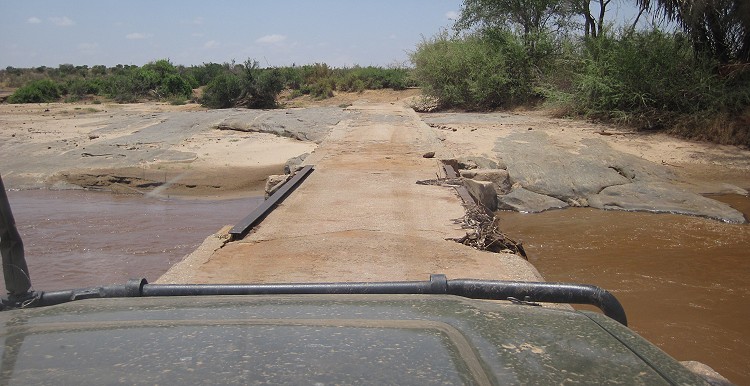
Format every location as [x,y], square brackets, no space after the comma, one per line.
[683,281]
[77,239]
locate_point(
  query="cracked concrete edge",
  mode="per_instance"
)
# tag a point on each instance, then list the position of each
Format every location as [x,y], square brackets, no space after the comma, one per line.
[180,272]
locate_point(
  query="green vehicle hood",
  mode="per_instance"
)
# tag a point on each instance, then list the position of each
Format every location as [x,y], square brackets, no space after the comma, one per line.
[324,339]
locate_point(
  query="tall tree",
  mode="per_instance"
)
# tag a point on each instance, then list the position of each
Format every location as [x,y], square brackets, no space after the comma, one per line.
[718,27]
[526,17]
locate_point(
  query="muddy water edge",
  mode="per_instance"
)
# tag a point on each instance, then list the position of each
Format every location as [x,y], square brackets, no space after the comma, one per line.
[75,238]
[684,281]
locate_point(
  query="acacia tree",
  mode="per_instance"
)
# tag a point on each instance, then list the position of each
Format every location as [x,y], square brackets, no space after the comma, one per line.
[718,27]
[527,17]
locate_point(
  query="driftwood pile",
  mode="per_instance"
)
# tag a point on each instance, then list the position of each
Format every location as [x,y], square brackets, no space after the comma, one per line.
[483,233]
[483,230]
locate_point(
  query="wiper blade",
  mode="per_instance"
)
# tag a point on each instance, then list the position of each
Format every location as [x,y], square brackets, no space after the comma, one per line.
[437,285]
[15,270]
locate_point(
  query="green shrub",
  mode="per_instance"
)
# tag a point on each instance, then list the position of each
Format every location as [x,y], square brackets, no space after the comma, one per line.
[222,92]
[474,72]
[322,89]
[646,76]
[261,86]
[38,91]
[175,85]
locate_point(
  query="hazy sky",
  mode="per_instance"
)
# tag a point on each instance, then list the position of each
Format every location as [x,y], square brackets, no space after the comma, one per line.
[277,33]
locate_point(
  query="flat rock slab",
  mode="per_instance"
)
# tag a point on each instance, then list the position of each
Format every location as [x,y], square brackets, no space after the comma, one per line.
[663,198]
[593,174]
[526,201]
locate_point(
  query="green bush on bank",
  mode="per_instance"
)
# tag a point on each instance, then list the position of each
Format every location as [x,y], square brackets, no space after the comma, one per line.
[38,91]
[474,72]
[647,79]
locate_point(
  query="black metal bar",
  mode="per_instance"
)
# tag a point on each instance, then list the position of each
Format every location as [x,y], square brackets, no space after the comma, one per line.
[437,285]
[541,292]
[15,270]
[256,216]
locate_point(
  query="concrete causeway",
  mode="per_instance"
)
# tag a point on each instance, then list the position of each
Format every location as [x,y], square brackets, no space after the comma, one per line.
[360,216]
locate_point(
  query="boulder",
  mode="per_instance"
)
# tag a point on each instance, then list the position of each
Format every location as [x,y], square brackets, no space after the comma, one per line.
[293,164]
[522,200]
[483,193]
[274,182]
[474,162]
[663,198]
[499,178]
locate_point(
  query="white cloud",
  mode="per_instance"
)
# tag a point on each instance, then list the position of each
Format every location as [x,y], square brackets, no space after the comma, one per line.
[33,20]
[137,35]
[392,36]
[88,48]
[271,39]
[451,15]
[62,21]
[196,21]
[211,44]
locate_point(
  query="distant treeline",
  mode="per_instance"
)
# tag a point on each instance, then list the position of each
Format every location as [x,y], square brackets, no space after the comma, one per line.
[224,85]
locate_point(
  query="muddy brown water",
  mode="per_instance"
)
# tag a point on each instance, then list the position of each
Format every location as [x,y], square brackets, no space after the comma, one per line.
[684,281]
[78,239]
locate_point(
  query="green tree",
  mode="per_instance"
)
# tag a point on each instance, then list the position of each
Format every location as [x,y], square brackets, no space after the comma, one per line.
[526,17]
[718,27]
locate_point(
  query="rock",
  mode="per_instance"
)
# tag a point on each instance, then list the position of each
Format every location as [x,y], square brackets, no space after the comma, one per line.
[663,198]
[274,182]
[522,200]
[429,154]
[474,162]
[571,173]
[499,178]
[483,193]
[293,164]
[706,372]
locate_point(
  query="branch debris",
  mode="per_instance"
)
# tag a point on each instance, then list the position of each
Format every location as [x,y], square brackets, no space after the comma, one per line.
[483,233]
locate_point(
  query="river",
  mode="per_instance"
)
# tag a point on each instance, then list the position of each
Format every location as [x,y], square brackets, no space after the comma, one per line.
[684,281]
[76,238]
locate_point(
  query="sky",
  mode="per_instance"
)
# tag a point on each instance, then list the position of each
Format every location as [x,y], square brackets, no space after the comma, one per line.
[275,33]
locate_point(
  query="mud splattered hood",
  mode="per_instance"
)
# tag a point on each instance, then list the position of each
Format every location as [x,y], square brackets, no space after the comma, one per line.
[324,339]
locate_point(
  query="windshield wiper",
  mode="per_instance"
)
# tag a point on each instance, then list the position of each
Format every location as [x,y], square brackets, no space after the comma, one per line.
[15,270]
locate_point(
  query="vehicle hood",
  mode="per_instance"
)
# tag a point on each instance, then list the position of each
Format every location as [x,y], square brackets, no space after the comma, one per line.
[323,339]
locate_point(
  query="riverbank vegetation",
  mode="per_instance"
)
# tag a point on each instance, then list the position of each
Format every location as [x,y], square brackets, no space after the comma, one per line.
[688,72]
[222,85]
[690,77]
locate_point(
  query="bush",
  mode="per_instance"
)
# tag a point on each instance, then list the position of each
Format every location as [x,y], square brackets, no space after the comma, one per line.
[261,86]
[646,78]
[38,91]
[222,92]
[474,72]
[174,85]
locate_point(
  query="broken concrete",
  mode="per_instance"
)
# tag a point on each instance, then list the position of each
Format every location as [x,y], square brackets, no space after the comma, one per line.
[500,178]
[483,193]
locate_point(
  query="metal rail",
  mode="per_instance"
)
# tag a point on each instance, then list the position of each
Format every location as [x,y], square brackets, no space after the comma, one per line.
[437,285]
[256,216]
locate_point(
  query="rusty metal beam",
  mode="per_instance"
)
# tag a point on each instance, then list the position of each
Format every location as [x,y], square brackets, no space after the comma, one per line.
[255,217]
